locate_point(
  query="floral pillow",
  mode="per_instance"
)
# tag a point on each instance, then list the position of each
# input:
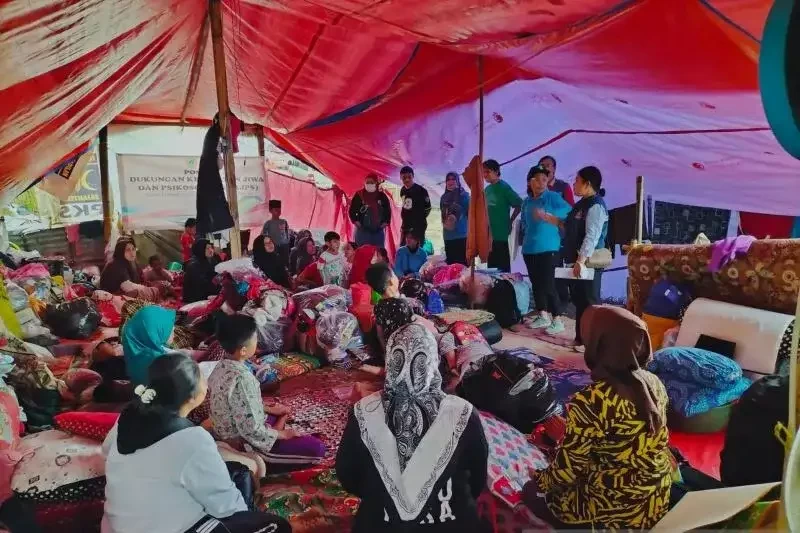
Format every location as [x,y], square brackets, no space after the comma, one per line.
[696,366]
[511,458]
[94,426]
[59,467]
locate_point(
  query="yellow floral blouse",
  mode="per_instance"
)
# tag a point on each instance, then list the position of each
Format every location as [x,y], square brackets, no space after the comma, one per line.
[609,472]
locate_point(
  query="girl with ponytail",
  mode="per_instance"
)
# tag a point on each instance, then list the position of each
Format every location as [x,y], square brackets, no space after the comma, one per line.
[165,474]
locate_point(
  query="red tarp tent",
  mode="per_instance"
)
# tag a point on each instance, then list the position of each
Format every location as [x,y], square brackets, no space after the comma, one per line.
[667,89]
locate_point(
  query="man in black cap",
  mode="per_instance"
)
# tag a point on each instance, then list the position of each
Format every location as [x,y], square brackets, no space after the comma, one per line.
[277,229]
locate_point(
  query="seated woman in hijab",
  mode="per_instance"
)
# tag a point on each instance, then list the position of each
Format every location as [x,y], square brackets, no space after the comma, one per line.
[199,274]
[165,474]
[303,255]
[416,457]
[268,260]
[612,469]
[123,276]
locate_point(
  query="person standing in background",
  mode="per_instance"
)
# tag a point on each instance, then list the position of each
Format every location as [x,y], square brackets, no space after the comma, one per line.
[187,238]
[586,228]
[416,206]
[371,212]
[554,184]
[454,205]
[500,198]
[542,212]
[563,188]
[277,229]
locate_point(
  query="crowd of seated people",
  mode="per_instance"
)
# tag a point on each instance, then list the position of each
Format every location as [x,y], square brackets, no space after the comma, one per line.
[414,448]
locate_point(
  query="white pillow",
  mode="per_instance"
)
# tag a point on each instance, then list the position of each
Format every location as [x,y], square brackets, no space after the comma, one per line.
[757,333]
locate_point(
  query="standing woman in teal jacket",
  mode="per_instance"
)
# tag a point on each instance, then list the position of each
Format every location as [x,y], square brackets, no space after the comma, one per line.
[542,209]
[454,205]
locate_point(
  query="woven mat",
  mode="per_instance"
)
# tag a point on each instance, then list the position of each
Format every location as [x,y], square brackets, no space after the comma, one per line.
[475,317]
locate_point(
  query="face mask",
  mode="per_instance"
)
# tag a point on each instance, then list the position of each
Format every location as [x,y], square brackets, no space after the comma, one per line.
[371,187]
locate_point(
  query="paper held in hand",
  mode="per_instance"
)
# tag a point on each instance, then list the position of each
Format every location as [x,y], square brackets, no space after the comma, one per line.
[566,273]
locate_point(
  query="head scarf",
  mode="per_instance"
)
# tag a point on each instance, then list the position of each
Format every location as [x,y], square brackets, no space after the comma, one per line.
[412,392]
[393,313]
[617,349]
[119,270]
[270,263]
[301,257]
[451,200]
[361,262]
[144,339]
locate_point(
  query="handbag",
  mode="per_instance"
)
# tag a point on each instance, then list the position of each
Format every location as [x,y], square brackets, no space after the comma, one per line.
[601,258]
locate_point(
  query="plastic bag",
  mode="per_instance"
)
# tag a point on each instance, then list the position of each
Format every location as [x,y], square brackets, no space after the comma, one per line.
[77,319]
[431,266]
[335,329]
[311,298]
[274,304]
[17,296]
[448,274]
[240,269]
[272,334]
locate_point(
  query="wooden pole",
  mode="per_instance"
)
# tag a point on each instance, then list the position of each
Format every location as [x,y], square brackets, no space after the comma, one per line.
[480,147]
[197,66]
[105,191]
[639,208]
[221,78]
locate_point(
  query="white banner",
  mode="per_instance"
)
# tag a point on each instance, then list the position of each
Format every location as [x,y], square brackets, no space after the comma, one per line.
[159,192]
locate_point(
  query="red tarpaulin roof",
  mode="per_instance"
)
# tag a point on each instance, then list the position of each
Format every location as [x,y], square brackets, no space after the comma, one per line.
[667,89]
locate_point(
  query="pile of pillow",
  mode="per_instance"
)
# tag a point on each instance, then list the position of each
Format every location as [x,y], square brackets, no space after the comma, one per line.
[698,380]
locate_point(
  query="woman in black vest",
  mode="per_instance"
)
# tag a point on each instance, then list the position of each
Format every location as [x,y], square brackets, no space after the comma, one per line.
[585,229]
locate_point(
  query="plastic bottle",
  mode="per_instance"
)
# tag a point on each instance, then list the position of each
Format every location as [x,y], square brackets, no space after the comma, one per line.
[3,235]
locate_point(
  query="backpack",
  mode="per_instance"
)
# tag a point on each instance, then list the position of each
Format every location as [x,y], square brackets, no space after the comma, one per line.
[502,303]
[752,454]
[511,389]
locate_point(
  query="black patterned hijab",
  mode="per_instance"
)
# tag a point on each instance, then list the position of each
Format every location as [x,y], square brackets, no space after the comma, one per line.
[412,392]
[393,313]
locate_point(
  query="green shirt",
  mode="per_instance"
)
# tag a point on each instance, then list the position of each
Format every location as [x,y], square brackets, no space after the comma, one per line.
[500,198]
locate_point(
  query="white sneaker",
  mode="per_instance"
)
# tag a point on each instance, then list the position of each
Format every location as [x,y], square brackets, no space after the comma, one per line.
[556,327]
[542,321]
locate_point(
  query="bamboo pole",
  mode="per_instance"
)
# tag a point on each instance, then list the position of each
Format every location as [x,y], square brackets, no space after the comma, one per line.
[639,208]
[221,78]
[197,66]
[105,191]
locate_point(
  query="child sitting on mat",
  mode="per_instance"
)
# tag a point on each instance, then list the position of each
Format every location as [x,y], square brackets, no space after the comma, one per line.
[238,414]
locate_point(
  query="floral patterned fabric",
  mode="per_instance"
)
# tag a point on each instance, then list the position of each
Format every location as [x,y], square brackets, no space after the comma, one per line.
[768,277]
[59,467]
[313,501]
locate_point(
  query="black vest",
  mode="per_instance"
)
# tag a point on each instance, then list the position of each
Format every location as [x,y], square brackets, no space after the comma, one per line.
[575,227]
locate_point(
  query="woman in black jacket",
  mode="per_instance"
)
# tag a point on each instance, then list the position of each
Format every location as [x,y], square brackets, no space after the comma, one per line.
[416,457]
[198,277]
[371,212]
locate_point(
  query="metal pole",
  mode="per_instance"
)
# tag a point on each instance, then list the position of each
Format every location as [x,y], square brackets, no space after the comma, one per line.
[221,78]
[105,191]
[639,208]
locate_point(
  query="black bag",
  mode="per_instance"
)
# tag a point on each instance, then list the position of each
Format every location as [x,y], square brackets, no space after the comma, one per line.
[752,454]
[243,479]
[491,331]
[502,303]
[492,389]
[77,319]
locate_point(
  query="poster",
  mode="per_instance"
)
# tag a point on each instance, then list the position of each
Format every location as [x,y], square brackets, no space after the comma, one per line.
[85,203]
[159,192]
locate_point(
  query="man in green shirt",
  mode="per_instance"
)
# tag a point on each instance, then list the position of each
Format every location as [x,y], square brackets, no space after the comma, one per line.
[500,198]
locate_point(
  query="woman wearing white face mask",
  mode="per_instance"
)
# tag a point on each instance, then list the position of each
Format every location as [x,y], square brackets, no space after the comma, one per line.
[371,213]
